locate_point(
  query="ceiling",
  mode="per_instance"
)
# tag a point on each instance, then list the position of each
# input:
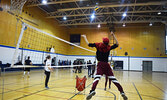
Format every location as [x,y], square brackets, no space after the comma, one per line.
[78,12]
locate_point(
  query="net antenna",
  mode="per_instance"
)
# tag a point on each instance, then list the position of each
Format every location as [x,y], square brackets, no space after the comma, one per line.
[17,6]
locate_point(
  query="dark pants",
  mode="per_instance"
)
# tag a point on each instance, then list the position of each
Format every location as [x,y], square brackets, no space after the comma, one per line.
[107,81]
[93,70]
[80,69]
[76,68]
[47,78]
[89,70]
[104,68]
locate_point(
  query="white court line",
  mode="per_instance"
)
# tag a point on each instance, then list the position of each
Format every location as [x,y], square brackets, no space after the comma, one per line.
[119,97]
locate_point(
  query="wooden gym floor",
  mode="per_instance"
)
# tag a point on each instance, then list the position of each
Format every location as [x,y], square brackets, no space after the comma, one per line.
[137,86]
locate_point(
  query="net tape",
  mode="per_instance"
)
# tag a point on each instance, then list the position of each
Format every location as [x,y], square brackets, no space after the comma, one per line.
[63,66]
[57,38]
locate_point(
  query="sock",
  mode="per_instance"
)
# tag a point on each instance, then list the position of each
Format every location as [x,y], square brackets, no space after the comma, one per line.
[24,73]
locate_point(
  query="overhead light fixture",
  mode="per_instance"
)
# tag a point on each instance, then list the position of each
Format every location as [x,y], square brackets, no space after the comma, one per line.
[44,1]
[98,25]
[124,14]
[123,25]
[93,16]
[150,24]
[65,18]
[159,13]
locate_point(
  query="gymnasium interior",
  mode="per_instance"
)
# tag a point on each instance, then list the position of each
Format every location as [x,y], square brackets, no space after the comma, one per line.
[38,28]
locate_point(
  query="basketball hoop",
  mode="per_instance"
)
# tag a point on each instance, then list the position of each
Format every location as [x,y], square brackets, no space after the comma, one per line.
[17,6]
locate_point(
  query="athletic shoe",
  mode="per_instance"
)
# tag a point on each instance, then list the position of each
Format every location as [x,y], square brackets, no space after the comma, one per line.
[47,87]
[104,89]
[124,96]
[92,93]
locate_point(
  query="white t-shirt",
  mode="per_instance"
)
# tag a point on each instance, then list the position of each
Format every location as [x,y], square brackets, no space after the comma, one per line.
[52,50]
[48,64]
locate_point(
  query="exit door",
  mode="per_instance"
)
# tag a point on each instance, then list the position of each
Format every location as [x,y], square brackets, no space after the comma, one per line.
[147,66]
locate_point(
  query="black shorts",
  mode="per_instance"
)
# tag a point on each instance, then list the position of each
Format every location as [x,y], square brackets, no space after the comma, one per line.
[26,69]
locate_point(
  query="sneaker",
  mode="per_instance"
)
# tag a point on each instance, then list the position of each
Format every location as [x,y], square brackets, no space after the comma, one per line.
[109,87]
[124,96]
[47,87]
[104,89]
[92,93]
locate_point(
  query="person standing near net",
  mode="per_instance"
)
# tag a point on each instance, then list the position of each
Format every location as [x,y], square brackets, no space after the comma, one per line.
[48,69]
[89,68]
[27,62]
[102,54]
[106,80]
[93,69]
[80,67]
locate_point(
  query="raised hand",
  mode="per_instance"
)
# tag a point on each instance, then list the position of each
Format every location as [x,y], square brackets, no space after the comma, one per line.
[84,36]
[112,33]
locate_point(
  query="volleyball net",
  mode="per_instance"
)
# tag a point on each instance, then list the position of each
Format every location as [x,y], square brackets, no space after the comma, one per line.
[37,44]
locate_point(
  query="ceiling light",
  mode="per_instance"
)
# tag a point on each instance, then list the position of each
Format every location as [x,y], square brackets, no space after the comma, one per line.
[98,25]
[124,14]
[44,1]
[124,25]
[150,24]
[159,13]
[65,18]
[93,16]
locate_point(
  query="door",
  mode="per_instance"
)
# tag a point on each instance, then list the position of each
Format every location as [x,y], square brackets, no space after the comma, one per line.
[147,66]
[118,65]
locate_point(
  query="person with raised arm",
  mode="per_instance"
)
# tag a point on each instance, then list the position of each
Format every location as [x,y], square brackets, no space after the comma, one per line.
[102,54]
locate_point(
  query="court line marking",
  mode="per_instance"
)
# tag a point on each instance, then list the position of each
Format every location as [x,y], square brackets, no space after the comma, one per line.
[137,91]
[79,91]
[109,92]
[28,86]
[155,85]
[87,87]
[119,97]
[21,88]
[14,75]
[113,94]
[40,95]
[34,93]
[73,93]
[61,91]
[145,96]
[29,94]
